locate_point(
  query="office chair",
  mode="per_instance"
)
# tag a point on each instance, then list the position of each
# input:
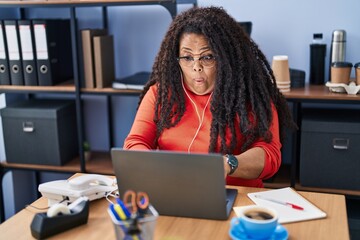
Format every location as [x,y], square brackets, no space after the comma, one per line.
[247,26]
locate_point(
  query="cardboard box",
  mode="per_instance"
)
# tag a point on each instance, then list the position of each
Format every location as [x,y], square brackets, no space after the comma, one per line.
[40,132]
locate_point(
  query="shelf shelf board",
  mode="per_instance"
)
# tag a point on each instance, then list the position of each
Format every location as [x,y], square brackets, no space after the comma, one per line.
[299,187]
[66,87]
[72,166]
[110,91]
[99,162]
[79,3]
[319,93]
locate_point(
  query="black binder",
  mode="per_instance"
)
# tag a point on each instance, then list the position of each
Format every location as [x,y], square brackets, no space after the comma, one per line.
[53,51]
[28,52]
[4,64]
[14,50]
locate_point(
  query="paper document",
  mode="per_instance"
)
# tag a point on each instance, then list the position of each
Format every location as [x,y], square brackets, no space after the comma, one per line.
[136,81]
[283,201]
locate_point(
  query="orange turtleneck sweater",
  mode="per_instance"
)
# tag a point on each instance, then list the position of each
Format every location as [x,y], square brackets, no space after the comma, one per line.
[187,136]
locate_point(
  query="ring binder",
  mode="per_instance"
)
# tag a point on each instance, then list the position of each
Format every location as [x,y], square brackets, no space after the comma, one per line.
[53,51]
[27,52]
[4,57]
[13,44]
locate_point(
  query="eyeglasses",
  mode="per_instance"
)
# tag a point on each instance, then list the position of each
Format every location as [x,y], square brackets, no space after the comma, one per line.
[206,61]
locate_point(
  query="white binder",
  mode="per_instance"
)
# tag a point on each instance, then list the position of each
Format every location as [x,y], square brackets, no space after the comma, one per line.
[12,40]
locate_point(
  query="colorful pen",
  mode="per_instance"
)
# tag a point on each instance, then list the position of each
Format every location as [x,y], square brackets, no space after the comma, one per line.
[120,212]
[124,208]
[294,206]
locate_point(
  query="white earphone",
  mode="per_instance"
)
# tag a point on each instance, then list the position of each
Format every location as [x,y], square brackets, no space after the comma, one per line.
[201,119]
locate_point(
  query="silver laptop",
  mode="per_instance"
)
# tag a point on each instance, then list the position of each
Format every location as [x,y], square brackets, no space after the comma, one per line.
[178,183]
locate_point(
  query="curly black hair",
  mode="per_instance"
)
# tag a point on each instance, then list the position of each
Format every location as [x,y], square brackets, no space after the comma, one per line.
[245,86]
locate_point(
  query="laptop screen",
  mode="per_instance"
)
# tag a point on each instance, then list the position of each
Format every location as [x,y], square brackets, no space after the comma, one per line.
[178,183]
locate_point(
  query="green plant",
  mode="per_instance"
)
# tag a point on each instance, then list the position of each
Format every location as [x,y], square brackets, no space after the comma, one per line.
[86,146]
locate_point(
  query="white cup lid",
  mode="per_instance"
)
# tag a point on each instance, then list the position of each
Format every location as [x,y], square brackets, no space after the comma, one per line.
[280,57]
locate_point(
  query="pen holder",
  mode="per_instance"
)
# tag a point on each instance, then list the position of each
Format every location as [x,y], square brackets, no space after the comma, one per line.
[146,225]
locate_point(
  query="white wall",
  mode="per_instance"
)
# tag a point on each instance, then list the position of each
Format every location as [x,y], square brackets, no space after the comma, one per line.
[287,26]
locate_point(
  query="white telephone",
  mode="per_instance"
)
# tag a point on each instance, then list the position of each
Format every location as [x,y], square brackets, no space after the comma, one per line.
[93,186]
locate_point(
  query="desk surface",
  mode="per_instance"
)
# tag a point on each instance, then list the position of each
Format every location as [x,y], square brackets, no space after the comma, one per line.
[318,92]
[99,225]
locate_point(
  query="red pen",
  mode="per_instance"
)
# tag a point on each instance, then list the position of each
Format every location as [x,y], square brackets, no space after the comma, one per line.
[294,206]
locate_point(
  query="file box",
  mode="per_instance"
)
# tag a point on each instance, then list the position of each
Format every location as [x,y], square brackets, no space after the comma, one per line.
[40,132]
[330,152]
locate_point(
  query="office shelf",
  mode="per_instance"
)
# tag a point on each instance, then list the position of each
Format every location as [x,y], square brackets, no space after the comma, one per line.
[74,86]
[99,162]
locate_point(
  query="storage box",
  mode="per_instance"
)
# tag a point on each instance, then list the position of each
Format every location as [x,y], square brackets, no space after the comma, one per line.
[330,149]
[40,132]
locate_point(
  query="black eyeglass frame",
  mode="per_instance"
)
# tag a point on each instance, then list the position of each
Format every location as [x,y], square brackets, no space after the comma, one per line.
[191,60]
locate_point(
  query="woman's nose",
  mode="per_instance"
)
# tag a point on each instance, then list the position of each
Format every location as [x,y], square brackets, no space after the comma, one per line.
[197,66]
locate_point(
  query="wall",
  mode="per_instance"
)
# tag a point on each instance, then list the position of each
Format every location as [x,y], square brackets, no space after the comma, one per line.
[287,26]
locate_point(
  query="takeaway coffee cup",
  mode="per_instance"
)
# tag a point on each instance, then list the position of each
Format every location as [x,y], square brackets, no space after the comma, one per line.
[280,67]
[255,221]
[357,73]
[340,72]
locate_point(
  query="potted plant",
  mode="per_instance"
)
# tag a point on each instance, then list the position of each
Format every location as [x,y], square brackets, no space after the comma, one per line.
[87,152]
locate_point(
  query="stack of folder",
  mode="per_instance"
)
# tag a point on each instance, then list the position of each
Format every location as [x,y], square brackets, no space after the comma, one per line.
[35,52]
[98,58]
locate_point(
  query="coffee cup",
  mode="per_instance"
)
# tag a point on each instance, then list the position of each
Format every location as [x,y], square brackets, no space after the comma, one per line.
[340,72]
[280,67]
[256,222]
[357,73]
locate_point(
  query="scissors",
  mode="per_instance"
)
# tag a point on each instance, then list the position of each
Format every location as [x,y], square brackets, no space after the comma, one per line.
[136,202]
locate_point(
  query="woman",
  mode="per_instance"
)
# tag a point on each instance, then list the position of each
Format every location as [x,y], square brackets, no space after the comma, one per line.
[212,90]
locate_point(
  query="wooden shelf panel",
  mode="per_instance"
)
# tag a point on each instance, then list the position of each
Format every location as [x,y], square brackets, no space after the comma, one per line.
[66,87]
[110,91]
[99,162]
[79,3]
[299,187]
[72,166]
[318,92]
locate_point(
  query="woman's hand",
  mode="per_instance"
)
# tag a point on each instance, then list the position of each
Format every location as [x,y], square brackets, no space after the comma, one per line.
[226,166]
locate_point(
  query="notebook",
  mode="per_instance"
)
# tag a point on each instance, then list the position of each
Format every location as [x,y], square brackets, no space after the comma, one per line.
[178,184]
[287,214]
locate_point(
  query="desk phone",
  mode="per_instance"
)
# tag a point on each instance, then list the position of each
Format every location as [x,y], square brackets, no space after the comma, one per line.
[93,186]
